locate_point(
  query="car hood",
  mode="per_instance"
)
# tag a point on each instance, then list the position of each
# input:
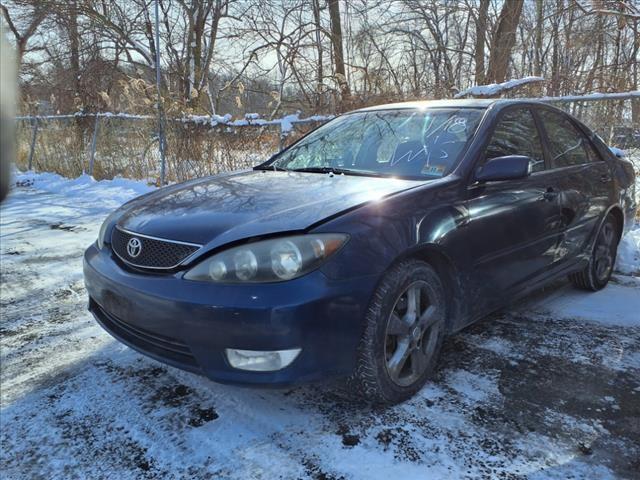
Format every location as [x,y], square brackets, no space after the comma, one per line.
[225,208]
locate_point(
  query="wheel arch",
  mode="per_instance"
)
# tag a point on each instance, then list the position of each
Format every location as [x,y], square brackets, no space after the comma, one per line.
[618,214]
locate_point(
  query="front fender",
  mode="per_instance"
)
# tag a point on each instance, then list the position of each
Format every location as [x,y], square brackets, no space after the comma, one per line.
[385,233]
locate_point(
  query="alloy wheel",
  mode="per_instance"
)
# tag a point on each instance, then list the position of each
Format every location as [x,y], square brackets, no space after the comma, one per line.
[411,335]
[604,253]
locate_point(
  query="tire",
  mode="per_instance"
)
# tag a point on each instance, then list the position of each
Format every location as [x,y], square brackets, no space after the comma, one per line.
[393,327]
[597,273]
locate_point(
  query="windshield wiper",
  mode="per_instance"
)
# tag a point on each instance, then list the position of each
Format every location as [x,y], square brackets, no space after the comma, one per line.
[273,168]
[334,170]
[339,171]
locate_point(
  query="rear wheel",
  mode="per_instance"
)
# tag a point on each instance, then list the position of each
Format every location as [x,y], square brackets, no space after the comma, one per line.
[597,273]
[405,326]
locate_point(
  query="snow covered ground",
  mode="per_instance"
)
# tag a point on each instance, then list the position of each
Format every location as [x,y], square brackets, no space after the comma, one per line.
[549,388]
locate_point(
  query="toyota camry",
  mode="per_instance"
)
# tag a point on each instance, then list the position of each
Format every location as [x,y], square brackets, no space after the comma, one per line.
[352,253]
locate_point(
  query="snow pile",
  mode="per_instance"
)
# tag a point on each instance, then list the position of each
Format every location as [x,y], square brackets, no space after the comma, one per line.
[618,152]
[628,261]
[497,88]
[111,193]
[613,305]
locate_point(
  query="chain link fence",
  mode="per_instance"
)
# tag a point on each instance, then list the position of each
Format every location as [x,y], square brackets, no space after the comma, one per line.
[109,145]
[106,145]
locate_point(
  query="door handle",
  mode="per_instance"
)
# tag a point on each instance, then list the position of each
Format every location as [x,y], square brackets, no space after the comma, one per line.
[550,194]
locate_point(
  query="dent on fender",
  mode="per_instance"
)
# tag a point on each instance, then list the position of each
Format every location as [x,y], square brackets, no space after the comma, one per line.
[435,226]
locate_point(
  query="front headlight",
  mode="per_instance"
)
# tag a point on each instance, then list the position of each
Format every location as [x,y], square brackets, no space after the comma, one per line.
[274,260]
[104,228]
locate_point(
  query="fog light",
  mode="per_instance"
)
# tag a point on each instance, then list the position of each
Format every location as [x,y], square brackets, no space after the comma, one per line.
[261,361]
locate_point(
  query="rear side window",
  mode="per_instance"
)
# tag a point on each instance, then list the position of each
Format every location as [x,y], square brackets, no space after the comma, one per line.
[516,134]
[567,144]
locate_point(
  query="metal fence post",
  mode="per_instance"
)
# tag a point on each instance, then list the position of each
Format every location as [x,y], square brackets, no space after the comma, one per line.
[33,141]
[161,140]
[162,145]
[92,153]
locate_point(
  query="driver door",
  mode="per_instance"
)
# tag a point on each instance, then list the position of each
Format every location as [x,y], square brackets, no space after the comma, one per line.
[514,230]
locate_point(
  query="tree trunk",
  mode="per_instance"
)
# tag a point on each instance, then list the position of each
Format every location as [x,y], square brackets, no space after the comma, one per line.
[569,82]
[320,73]
[74,46]
[213,35]
[196,54]
[594,76]
[504,38]
[74,53]
[338,54]
[537,54]
[635,102]
[481,32]
[555,51]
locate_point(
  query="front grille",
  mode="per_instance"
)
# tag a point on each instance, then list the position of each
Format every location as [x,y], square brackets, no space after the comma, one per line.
[153,252]
[151,343]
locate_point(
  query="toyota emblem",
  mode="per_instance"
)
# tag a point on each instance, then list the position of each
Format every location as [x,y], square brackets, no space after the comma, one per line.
[134,247]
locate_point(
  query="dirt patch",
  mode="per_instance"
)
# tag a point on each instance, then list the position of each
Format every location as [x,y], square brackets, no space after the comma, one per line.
[66,228]
[200,416]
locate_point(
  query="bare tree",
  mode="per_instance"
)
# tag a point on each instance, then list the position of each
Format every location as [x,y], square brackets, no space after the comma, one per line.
[28,16]
[272,57]
[338,53]
[481,33]
[503,40]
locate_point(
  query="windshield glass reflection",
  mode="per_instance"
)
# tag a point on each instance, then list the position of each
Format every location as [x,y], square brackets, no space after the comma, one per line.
[414,143]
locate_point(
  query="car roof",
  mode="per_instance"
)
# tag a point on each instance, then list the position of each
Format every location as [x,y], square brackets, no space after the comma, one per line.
[456,103]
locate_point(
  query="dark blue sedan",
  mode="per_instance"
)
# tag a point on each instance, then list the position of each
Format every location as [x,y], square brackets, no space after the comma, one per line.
[353,252]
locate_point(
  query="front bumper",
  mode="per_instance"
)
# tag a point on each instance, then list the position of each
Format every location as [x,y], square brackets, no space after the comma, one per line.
[189,324]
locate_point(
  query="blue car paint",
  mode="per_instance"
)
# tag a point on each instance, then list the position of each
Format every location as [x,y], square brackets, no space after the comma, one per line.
[218,210]
[313,312]
[491,243]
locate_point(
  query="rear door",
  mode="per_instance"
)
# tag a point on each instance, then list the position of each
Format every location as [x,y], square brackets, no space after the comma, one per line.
[514,226]
[584,176]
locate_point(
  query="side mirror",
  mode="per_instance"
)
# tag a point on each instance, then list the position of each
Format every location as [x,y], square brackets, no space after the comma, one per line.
[510,167]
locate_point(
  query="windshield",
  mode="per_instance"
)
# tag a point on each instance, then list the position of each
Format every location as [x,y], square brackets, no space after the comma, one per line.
[413,143]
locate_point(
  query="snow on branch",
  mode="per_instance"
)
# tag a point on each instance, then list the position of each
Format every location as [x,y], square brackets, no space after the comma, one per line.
[589,97]
[286,123]
[497,88]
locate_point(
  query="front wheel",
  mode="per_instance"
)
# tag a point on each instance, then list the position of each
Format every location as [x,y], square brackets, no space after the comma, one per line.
[597,273]
[405,327]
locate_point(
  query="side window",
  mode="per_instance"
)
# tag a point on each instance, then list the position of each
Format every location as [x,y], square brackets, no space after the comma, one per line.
[516,134]
[567,144]
[593,154]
